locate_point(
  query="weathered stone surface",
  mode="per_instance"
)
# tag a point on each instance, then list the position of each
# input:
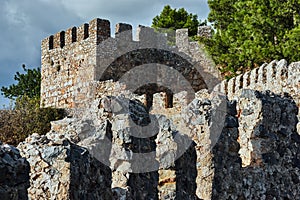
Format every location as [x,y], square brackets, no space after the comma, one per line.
[60,169]
[76,61]
[136,133]
[205,31]
[264,164]
[14,174]
[211,148]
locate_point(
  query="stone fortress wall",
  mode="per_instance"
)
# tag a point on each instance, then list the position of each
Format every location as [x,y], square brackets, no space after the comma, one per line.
[76,61]
[242,135]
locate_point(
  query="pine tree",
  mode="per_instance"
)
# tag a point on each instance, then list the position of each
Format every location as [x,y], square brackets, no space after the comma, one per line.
[27,84]
[176,19]
[251,32]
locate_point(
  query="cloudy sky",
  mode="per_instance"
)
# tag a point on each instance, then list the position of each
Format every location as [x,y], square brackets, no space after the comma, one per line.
[23,24]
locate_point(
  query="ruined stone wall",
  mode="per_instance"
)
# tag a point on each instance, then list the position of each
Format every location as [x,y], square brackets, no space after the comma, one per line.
[278,77]
[60,169]
[229,154]
[259,158]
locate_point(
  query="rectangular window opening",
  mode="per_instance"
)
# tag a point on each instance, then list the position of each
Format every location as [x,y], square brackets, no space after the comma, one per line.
[51,41]
[62,39]
[74,34]
[86,31]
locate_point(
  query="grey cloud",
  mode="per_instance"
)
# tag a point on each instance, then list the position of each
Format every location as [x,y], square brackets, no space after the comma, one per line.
[23,25]
[132,11]
[27,23]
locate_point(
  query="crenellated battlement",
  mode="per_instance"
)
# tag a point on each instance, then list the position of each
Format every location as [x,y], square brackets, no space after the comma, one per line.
[76,58]
[96,31]
[277,76]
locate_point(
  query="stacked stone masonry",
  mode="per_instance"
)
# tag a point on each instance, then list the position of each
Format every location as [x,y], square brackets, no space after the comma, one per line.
[75,61]
[277,77]
[236,139]
[224,158]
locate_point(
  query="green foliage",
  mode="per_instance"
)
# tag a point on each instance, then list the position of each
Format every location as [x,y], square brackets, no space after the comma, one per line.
[26,118]
[176,19]
[291,47]
[251,32]
[28,84]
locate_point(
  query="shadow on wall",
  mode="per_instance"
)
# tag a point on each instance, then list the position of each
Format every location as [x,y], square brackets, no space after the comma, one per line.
[273,171]
[90,179]
[273,141]
[145,185]
[14,174]
[186,174]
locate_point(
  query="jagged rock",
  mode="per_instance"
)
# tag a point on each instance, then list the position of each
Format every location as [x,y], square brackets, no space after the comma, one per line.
[14,174]
[60,169]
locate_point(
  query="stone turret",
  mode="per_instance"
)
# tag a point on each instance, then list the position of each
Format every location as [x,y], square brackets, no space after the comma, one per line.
[69,62]
[77,60]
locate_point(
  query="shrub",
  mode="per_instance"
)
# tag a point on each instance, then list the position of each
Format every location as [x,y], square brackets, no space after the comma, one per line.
[26,118]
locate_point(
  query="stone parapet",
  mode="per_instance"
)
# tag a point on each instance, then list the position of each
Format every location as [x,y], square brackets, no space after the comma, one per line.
[277,76]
